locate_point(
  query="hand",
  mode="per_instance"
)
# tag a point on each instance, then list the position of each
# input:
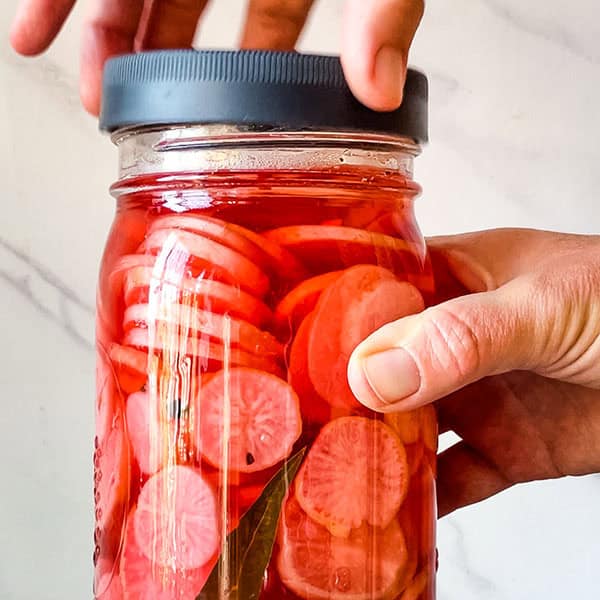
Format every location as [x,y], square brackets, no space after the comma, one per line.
[376,38]
[516,363]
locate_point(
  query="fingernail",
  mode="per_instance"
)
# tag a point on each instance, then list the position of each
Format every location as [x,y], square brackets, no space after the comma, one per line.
[392,375]
[389,70]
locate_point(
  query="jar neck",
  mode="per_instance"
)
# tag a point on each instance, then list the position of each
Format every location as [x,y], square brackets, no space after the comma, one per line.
[214,148]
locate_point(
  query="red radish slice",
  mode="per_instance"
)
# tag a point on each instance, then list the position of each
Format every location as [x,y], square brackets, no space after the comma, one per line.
[267,255]
[380,302]
[328,248]
[143,579]
[214,229]
[126,263]
[175,522]
[410,523]
[414,426]
[107,584]
[355,472]
[211,355]
[130,367]
[407,425]
[417,587]
[316,565]
[223,262]
[301,300]
[363,299]
[256,412]
[414,457]
[158,431]
[430,428]
[313,408]
[283,263]
[420,501]
[191,321]
[206,293]
[111,459]
[149,438]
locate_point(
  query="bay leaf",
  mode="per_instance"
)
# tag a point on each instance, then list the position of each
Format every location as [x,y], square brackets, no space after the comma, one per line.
[238,575]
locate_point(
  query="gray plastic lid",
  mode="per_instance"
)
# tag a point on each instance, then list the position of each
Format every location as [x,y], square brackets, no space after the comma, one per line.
[281,90]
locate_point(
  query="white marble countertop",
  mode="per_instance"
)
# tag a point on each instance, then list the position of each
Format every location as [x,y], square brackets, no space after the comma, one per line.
[515,91]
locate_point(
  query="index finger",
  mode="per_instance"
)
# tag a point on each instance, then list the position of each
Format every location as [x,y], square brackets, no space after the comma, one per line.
[37,23]
[274,24]
[376,38]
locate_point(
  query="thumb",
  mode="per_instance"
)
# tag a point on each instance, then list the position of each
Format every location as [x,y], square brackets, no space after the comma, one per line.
[421,358]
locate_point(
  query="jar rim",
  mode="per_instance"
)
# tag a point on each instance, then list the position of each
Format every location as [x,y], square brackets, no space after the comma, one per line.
[211,148]
[223,135]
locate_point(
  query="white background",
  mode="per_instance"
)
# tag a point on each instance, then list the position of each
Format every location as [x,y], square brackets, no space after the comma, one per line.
[515,91]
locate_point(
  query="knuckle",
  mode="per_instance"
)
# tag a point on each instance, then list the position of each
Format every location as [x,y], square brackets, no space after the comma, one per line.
[452,344]
[567,299]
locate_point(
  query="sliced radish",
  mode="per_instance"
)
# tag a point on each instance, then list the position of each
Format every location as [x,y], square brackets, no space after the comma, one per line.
[414,456]
[249,420]
[130,366]
[151,438]
[268,255]
[430,428]
[416,587]
[175,522]
[363,299]
[209,294]
[328,248]
[355,472]
[210,355]
[283,263]
[125,264]
[301,300]
[111,459]
[219,260]
[408,425]
[215,229]
[312,563]
[107,584]
[313,408]
[418,516]
[191,321]
[144,579]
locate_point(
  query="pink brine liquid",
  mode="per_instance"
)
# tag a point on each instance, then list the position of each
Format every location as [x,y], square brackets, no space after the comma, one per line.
[228,307]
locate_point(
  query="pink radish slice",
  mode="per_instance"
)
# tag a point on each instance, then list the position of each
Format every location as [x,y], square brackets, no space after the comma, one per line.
[253,415]
[363,299]
[143,579]
[208,294]
[224,262]
[368,564]
[148,439]
[196,322]
[175,522]
[211,355]
[328,247]
[355,472]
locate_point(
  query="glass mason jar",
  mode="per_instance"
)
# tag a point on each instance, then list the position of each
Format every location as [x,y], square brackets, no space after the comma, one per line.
[264,228]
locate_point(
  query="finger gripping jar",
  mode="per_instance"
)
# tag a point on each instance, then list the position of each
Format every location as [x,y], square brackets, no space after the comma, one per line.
[264,227]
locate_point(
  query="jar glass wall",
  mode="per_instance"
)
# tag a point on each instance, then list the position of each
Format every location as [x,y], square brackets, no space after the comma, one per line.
[244,265]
